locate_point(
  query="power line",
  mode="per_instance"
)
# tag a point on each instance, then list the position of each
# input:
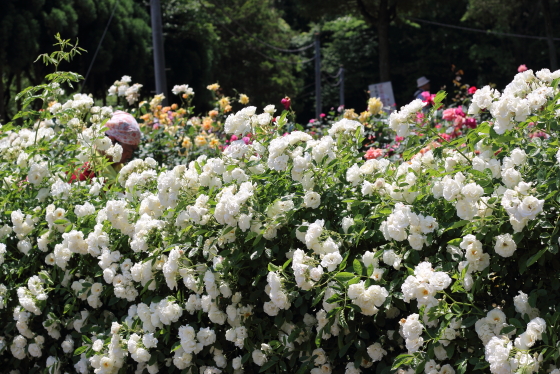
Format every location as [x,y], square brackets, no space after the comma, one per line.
[479,30]
[99,45]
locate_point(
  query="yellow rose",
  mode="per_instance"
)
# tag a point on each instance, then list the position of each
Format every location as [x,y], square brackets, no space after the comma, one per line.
[243,99]
[350,114]
[374,105]
[224,102]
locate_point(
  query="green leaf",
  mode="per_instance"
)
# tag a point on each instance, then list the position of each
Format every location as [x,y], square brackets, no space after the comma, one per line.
[370,270]
[68,307]
[455,242]
[469,321]
[343,263]
[517,323]
[319,297]
[462,368]
[507,329]
[267,366]
[344,276]
[402,360]
[80,350]
[440,96]
[457,225]
[481,365]
[534,258]
[333,299]
[357,265]
[60,221]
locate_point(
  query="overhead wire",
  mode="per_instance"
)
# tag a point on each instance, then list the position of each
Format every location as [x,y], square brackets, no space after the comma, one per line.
[99,45]
[479,30]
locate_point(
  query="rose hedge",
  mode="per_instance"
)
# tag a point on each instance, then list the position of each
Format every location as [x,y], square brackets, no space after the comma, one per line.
[289,254]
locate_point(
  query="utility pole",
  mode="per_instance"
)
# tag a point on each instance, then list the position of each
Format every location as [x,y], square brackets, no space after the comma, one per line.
[341,92]
[317,76]
[159,58]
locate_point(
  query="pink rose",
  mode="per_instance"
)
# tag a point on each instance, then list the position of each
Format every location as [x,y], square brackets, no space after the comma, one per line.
[472,90]
[373,153]
[521,68]
[449,114]
[458,122]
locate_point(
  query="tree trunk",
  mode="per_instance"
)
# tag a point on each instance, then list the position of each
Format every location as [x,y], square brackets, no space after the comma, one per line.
[549,34]
[383,35]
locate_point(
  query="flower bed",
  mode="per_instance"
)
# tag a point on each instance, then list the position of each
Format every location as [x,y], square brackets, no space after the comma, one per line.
[288,254]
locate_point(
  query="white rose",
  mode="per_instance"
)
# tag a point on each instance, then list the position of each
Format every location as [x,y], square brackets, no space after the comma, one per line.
[331,261]
[97,345]
[505,245]
[518,156]
[312,199]
[259,358]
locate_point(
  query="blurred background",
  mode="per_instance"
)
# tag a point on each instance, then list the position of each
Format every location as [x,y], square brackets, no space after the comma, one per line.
[266,48]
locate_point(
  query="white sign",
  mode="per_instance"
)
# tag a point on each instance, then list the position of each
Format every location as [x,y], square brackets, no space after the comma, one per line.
[384,91]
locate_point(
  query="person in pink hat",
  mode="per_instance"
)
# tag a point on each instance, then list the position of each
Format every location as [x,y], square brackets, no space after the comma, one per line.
[123,129]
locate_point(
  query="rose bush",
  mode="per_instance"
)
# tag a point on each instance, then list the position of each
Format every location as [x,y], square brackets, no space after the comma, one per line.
[289,254]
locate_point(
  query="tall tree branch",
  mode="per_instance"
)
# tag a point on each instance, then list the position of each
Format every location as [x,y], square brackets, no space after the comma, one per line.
[370,18]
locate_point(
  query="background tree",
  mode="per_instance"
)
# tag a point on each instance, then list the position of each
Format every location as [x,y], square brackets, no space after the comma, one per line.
[28,28]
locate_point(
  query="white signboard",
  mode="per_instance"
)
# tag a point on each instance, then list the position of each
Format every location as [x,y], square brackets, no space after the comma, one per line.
[384,91]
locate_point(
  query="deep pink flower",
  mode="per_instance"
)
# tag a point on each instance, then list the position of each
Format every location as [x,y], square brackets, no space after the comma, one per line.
[521,68]
[312,120]
[428,98]
[399,138]
[472,90]
[459,112]
[246,139]
[286,102]
[234,138]
[323,115]
[470,123]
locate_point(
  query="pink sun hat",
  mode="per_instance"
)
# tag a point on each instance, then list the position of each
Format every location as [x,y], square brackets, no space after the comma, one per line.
[123,127]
